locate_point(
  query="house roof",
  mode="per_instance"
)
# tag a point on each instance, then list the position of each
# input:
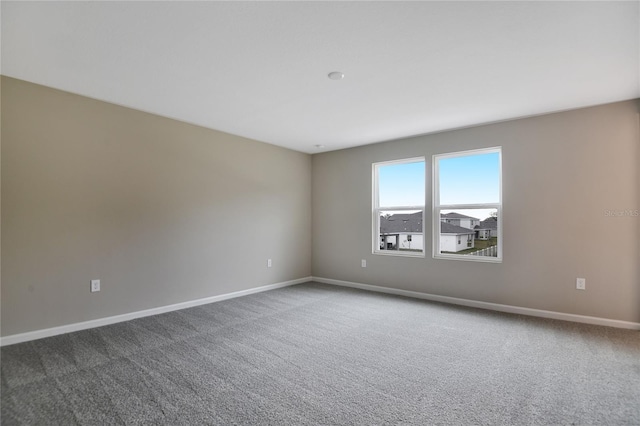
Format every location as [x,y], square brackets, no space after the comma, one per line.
[454,215]
[401,223]
[489,223]
[447,228]
[412,223]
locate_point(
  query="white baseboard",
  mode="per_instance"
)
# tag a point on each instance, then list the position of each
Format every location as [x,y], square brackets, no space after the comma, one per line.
[486,305]
[54,331]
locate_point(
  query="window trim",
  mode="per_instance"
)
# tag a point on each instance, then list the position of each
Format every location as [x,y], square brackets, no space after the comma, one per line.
[436,208]
[375,211]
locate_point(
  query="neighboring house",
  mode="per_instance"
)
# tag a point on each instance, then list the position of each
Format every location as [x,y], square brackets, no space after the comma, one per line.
[455,238]
[487,228]
[401,232]
[404,232]
[460,220]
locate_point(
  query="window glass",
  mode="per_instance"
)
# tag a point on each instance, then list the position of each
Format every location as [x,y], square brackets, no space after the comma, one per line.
[467,207]
[398,207]
[401,184]
[470,179]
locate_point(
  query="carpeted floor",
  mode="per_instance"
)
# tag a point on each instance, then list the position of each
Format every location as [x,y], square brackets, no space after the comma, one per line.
[315,354]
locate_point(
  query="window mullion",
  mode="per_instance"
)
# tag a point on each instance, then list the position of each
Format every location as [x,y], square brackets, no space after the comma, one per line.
[468,206]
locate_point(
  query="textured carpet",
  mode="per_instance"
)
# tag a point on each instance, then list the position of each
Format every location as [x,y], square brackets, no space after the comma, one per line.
[314,354]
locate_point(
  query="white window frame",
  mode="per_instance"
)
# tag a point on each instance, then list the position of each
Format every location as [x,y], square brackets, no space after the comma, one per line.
[437,207]
[377,209]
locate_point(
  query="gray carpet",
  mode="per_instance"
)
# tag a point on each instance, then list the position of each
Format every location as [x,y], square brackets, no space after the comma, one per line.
[314,354]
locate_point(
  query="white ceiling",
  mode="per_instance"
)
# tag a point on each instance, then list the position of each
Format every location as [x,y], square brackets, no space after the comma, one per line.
[259,69]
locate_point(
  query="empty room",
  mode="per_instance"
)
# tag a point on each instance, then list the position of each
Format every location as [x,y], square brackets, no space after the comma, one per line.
[320,213]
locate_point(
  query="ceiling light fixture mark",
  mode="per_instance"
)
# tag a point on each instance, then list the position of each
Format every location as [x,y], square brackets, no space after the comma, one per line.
[336,75]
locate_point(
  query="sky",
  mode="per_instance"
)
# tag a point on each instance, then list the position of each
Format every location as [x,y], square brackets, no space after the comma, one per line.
[463,180]
[401,184]
[470,179]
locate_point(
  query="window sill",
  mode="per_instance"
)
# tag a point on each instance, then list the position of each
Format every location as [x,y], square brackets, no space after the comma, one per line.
[395,253]
[481,259]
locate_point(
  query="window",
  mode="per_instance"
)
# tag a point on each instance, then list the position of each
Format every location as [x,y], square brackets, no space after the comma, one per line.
[467,201]
[398,207]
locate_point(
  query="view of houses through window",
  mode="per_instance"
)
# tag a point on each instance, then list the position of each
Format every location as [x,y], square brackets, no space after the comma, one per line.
[469,232]
[466,206]
[401,231]
[398,213]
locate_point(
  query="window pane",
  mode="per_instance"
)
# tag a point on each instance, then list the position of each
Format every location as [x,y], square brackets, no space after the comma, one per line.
[401,184]
[471,179]
[469,232]
[401,231]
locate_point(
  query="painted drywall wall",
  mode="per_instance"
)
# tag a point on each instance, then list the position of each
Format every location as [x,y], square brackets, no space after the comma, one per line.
[562,174]
[160,211]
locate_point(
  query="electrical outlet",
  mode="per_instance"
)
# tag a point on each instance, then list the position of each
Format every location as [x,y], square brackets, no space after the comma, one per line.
[95,286]
[581,284]
[364,263]
[269,263]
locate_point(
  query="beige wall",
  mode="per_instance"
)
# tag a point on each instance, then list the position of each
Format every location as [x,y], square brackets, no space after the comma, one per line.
[560,173]
[165,212]
[161,211]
